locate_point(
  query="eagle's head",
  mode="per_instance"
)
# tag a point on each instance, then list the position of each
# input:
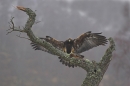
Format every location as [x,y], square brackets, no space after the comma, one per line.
[69,41]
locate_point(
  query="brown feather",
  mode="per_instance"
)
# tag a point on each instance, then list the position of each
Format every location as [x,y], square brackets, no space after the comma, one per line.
[83,43]
[88,40]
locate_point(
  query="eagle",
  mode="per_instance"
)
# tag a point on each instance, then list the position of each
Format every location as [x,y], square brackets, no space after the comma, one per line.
[74,47]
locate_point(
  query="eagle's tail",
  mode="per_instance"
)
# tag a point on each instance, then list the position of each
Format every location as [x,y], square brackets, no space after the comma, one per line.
[67,63]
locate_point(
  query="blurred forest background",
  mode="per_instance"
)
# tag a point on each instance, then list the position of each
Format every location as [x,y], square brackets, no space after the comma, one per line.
[20,65]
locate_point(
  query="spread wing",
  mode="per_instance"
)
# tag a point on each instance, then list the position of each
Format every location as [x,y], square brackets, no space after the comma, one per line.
[88,40]
[39,47]
[54,42]
[57,44]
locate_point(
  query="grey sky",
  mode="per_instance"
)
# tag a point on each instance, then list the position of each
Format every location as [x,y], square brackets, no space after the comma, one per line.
[61,19]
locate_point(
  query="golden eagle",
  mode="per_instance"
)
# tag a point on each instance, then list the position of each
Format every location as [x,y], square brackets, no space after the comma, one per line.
[74,47]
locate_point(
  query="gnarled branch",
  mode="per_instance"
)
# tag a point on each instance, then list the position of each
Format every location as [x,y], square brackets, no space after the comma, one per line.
[95,71]
[27,29]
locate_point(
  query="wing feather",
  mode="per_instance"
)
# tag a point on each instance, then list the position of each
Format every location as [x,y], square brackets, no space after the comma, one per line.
[39,47]
[54,42]
[88,40]
[57,44]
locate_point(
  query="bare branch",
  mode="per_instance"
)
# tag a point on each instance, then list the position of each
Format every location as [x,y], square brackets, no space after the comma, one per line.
[37,22]
[12,27]
[22,37]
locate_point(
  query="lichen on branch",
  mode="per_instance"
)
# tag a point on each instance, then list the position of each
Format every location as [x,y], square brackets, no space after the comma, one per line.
[95,71]
[27,29]
[105,61]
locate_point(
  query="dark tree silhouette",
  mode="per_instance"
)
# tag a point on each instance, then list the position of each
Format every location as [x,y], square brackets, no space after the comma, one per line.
[122,40]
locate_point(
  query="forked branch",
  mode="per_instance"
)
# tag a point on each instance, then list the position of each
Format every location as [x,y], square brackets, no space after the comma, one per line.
[95,71]
[27,29]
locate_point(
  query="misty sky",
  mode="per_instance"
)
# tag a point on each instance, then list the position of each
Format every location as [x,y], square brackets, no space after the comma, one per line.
[61,19]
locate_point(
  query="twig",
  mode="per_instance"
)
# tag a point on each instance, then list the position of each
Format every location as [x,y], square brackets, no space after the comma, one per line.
[37,22]
[22,37]
[12,27]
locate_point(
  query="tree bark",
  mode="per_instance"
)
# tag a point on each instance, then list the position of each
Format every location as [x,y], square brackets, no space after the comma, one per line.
[95,71]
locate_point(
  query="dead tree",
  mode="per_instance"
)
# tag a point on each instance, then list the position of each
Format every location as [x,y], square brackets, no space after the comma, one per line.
[95,70]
